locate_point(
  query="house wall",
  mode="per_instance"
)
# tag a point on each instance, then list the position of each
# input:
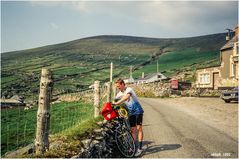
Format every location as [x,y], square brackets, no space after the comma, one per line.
[225,76]
[155,78]
[209,83]
[236,55]
[225,63]
[229,67]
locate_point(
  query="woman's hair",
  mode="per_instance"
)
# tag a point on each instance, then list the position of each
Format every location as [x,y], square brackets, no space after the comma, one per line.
[120,81]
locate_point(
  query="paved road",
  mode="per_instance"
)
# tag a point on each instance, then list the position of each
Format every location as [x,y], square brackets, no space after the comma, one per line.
[171,133]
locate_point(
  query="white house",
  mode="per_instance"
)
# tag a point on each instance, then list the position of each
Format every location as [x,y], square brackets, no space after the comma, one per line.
[129,80]
[152,78]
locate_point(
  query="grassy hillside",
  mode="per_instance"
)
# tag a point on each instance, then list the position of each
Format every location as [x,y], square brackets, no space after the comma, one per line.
[177,61]
[77,64]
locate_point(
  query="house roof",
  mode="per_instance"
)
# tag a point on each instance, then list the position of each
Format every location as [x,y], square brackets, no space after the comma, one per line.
[209,67]
[230,43]
[131,79]
[9,101]
[151,75]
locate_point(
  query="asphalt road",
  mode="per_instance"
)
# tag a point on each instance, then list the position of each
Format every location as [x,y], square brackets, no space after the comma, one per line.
[172,133]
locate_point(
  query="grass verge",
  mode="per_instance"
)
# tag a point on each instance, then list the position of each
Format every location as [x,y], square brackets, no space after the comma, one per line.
[68,143]
[18,125]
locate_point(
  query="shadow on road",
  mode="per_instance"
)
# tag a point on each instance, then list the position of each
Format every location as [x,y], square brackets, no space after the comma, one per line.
[150,149]
[233,102]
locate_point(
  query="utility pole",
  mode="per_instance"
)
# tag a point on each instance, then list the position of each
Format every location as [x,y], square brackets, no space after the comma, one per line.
[131,72]
[111,71]
[157,66]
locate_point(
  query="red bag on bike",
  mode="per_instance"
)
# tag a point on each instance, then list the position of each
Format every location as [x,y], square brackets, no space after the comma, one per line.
[107,112]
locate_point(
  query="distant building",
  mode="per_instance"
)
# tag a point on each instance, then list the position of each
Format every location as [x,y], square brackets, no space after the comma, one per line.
[129,80]
[14,101]
[226,74]
[155,77]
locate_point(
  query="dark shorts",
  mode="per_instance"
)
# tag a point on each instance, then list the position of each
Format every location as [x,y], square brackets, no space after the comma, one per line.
[135,120]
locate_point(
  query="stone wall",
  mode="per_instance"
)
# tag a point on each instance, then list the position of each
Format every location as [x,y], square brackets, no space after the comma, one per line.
[162,90]
[152,89]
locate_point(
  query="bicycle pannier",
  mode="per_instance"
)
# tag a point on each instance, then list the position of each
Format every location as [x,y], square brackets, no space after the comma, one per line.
[107,112]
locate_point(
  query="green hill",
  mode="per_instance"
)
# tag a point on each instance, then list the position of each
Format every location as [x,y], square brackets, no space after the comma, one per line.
[77,64]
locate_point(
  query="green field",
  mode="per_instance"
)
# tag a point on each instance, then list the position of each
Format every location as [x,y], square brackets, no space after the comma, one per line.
[18,125]
[177,61]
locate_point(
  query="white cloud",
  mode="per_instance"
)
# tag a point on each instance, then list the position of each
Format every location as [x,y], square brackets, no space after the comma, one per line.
[83,6]
[167,15]
[46,3]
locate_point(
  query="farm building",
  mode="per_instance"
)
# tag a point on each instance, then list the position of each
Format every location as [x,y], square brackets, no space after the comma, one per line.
[226,74]
[129,80]
[155,77]
[14,101]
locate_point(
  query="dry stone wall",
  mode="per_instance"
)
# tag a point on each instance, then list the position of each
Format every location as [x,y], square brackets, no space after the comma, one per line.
[162,90]
[152,89]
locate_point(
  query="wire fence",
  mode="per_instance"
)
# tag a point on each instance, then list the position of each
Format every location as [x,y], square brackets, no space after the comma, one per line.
[18,121]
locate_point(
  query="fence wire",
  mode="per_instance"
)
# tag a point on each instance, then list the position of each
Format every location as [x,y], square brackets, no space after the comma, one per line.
[18,123]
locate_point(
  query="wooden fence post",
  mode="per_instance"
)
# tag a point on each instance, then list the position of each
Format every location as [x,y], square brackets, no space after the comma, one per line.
[109,90]
[97,98]
[43,113]
[114,91]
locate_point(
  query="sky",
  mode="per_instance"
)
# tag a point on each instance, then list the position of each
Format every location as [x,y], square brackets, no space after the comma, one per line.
[30,24]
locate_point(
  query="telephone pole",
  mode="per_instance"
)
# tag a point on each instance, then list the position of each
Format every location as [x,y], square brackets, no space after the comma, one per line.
[157,66]
[131,68]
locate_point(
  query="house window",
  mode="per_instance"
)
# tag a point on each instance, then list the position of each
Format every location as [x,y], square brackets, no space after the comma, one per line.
[237,52]
[234,69]
[204,78]
[233,73]
[235,49]
[159,76]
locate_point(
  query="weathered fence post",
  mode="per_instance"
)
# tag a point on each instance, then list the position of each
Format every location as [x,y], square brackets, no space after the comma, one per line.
[109,88]
[43,113]
[97,98]
[109,84]
[114,91]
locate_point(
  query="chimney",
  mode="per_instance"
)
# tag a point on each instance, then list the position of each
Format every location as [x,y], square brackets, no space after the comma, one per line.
[229,36]
[142,75]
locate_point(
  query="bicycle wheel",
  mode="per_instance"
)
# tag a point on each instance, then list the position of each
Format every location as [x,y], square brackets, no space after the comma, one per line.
[125,142]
